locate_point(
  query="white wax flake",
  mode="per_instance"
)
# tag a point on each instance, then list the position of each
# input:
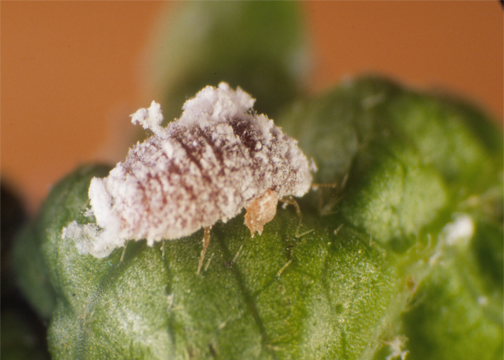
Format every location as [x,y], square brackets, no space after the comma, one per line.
[396,347]
[460,231]
[483,300]
[313,166]
[217,159]
[150,118]
[85,236]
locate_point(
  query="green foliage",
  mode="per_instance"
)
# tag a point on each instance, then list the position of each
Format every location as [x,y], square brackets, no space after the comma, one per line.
[453,315]
[334,292]
[406,256]
[271,296]
[259,46]
[416,162]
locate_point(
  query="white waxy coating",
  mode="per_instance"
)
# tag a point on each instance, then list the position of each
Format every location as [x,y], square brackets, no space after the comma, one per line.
[204,167]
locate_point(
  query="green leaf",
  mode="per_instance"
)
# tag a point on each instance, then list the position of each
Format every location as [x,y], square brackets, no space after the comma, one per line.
[259,46]
[32,272]
[261,297]
[454,313]
[409,254]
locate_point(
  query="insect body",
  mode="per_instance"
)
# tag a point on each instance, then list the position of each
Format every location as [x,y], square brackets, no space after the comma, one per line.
[217,159]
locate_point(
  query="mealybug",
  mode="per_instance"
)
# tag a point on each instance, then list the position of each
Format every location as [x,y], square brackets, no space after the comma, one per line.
[217,159]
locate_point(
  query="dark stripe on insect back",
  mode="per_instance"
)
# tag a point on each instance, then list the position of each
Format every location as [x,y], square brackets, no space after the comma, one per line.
[217,151]
[172,169]
[243,129]
[182,138]
[155,177]
[134,158]
[194,155]
[220,151]
[199,135]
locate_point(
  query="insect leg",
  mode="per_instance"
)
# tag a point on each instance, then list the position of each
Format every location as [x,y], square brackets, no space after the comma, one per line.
[326,209]
[206,242]
[124,252]
[291,201]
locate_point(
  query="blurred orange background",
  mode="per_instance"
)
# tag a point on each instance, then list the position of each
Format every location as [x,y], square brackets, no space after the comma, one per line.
[72,71]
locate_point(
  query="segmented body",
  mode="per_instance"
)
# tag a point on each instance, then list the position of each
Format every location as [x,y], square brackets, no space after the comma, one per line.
[217,159]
